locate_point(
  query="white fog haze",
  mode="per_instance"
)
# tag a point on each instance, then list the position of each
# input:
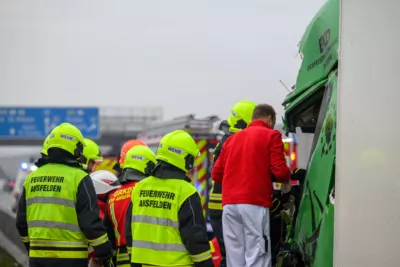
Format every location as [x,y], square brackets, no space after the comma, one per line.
[186,56]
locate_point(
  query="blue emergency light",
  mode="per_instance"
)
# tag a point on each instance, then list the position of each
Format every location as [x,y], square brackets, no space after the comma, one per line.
[199,187]
[24,166]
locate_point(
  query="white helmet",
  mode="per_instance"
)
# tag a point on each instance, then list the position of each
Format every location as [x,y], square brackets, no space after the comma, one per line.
[104,181]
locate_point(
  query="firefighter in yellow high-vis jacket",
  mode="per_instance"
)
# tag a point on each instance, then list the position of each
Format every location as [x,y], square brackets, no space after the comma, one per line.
[167,226]
[58,216]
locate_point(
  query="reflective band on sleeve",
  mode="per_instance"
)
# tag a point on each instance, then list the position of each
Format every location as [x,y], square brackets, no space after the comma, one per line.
[201,257]
[216,197]
[50,200]
[123,257]
[212,247]
[157,246]
[214,206]
[155,220]
[57,225]
[67,253]
[25,239]
[99,241]
[59,244]
[115,222]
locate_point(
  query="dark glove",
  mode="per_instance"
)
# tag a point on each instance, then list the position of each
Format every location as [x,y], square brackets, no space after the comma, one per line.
[104,251]
[299,175]
[284,198]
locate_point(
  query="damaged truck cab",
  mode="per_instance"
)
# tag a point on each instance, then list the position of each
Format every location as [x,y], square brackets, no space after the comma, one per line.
[311,108]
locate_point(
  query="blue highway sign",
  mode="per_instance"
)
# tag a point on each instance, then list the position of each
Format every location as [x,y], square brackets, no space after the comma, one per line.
[37,123]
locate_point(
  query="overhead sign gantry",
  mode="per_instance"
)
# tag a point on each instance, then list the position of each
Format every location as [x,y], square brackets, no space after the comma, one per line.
[37,122]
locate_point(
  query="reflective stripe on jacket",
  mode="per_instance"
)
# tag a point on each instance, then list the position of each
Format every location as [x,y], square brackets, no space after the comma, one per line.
[50,196]
[215,202]
[156,239]
[52,221]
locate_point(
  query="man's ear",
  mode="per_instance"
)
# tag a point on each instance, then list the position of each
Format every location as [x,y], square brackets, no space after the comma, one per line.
[271,121]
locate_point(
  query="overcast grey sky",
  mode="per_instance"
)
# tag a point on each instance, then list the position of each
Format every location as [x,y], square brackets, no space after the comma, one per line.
[189,56]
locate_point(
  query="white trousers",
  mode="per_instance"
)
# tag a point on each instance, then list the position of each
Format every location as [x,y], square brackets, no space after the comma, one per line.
[246,231]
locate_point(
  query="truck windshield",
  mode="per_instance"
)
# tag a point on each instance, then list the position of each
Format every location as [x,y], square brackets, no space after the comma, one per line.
[322,114]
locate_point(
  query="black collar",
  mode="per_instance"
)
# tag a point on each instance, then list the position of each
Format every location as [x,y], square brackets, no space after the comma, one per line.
[131,175]
[164,170]
[59,156]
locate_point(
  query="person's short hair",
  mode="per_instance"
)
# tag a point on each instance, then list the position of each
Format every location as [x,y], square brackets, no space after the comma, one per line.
[263,111]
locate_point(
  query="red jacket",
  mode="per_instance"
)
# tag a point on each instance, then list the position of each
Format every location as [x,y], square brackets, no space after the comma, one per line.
[247,163]
[117,207]
[102,207]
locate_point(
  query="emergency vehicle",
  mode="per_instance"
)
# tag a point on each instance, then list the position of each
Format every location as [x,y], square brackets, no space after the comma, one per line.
[202,131]
[107,164]
[290,149]
[24,170]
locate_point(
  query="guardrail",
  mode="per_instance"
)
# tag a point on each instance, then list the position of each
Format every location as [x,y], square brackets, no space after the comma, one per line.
[10,240]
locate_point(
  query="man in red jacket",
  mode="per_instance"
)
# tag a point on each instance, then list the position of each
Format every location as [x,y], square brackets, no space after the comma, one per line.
[249,162]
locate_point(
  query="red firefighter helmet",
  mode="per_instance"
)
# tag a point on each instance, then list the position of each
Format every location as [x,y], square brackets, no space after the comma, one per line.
[126,147]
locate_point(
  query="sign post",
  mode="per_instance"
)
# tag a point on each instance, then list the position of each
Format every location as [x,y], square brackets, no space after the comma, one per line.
[37,123]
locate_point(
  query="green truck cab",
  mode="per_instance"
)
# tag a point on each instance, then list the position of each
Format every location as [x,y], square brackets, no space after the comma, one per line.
[311,108]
